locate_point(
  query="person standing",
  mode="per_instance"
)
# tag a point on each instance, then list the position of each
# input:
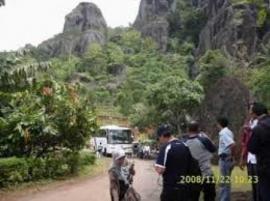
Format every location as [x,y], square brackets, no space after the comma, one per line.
[248,159]
[259,144]
[172,164]
[226,154]
[202,149]
[121,177]
[99,150]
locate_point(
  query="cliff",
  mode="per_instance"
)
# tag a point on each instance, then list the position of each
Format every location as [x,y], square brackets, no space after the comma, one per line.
[84,26]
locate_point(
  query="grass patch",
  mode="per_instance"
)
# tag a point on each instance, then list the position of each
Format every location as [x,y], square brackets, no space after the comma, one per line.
[100,167]
[237,175]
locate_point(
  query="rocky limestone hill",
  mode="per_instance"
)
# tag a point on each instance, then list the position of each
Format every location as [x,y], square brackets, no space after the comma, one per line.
[152,20]
[84,26]
[232,26]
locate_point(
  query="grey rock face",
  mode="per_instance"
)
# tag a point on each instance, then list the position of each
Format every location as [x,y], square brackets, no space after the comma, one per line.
[229,98]
[152,20]
[231,28]
[2,2]
[86,16]
[84,26]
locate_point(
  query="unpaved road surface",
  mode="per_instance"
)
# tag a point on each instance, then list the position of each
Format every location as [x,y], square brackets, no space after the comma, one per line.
[97,188]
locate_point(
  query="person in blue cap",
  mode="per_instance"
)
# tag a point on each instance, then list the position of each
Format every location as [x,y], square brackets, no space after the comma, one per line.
[173,164]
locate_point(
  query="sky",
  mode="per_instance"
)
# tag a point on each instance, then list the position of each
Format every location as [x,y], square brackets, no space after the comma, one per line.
[33,21]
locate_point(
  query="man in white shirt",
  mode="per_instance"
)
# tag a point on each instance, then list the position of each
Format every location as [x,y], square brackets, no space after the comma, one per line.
[226,154]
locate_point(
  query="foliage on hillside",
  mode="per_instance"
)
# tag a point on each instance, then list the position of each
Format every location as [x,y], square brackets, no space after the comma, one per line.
[119,74]
[213,66]
[186,22]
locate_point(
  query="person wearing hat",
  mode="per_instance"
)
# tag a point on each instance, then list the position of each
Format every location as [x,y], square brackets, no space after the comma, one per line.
[172,163]
[121,176]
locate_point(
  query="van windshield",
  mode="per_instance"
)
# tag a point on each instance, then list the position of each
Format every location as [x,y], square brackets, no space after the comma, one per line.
[119,137]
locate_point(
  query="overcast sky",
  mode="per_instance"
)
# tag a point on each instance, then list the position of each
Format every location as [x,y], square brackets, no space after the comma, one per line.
[33,21]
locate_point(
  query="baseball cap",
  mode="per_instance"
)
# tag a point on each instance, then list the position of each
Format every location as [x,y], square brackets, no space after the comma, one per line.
[164,129]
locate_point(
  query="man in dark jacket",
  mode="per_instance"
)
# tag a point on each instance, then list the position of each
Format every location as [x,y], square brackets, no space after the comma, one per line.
[173,164]
[259,145]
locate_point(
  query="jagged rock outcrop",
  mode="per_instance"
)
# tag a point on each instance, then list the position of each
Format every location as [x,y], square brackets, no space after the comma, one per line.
[232,28]
[84,26]
[152,20]
[228,97]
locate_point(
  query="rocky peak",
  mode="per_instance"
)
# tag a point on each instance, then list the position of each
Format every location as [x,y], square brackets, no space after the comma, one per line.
[86,16]
[84,26]
[152,20]
[233,28]
[150,9]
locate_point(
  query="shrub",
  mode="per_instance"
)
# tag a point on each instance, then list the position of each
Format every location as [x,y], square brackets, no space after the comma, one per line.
[50,116]
[56,165]
[13,171]
[72,162]
[87,158]
[36,168]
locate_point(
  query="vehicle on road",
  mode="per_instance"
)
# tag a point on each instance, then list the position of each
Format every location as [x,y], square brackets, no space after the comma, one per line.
[112,137]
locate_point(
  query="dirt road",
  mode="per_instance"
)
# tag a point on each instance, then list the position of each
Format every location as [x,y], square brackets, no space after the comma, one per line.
[97,189]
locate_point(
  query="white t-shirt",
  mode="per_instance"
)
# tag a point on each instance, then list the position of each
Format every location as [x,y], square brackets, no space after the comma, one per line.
[252,157]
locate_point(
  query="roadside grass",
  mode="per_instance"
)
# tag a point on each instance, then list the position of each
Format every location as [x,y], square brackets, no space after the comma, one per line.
[100,167]
[239,179]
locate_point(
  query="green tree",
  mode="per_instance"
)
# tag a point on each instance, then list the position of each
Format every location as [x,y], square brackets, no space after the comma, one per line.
[260,84]
[18,71]
[42,119]
[213,66]
[64,68]
[94,60]
[174,98]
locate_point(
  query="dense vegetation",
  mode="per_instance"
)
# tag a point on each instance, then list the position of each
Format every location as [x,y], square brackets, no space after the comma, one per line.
[43,122]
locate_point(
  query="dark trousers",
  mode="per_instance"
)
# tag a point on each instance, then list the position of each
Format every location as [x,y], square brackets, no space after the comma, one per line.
[252,172]
[209,192]
[173,194]
[264,188]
